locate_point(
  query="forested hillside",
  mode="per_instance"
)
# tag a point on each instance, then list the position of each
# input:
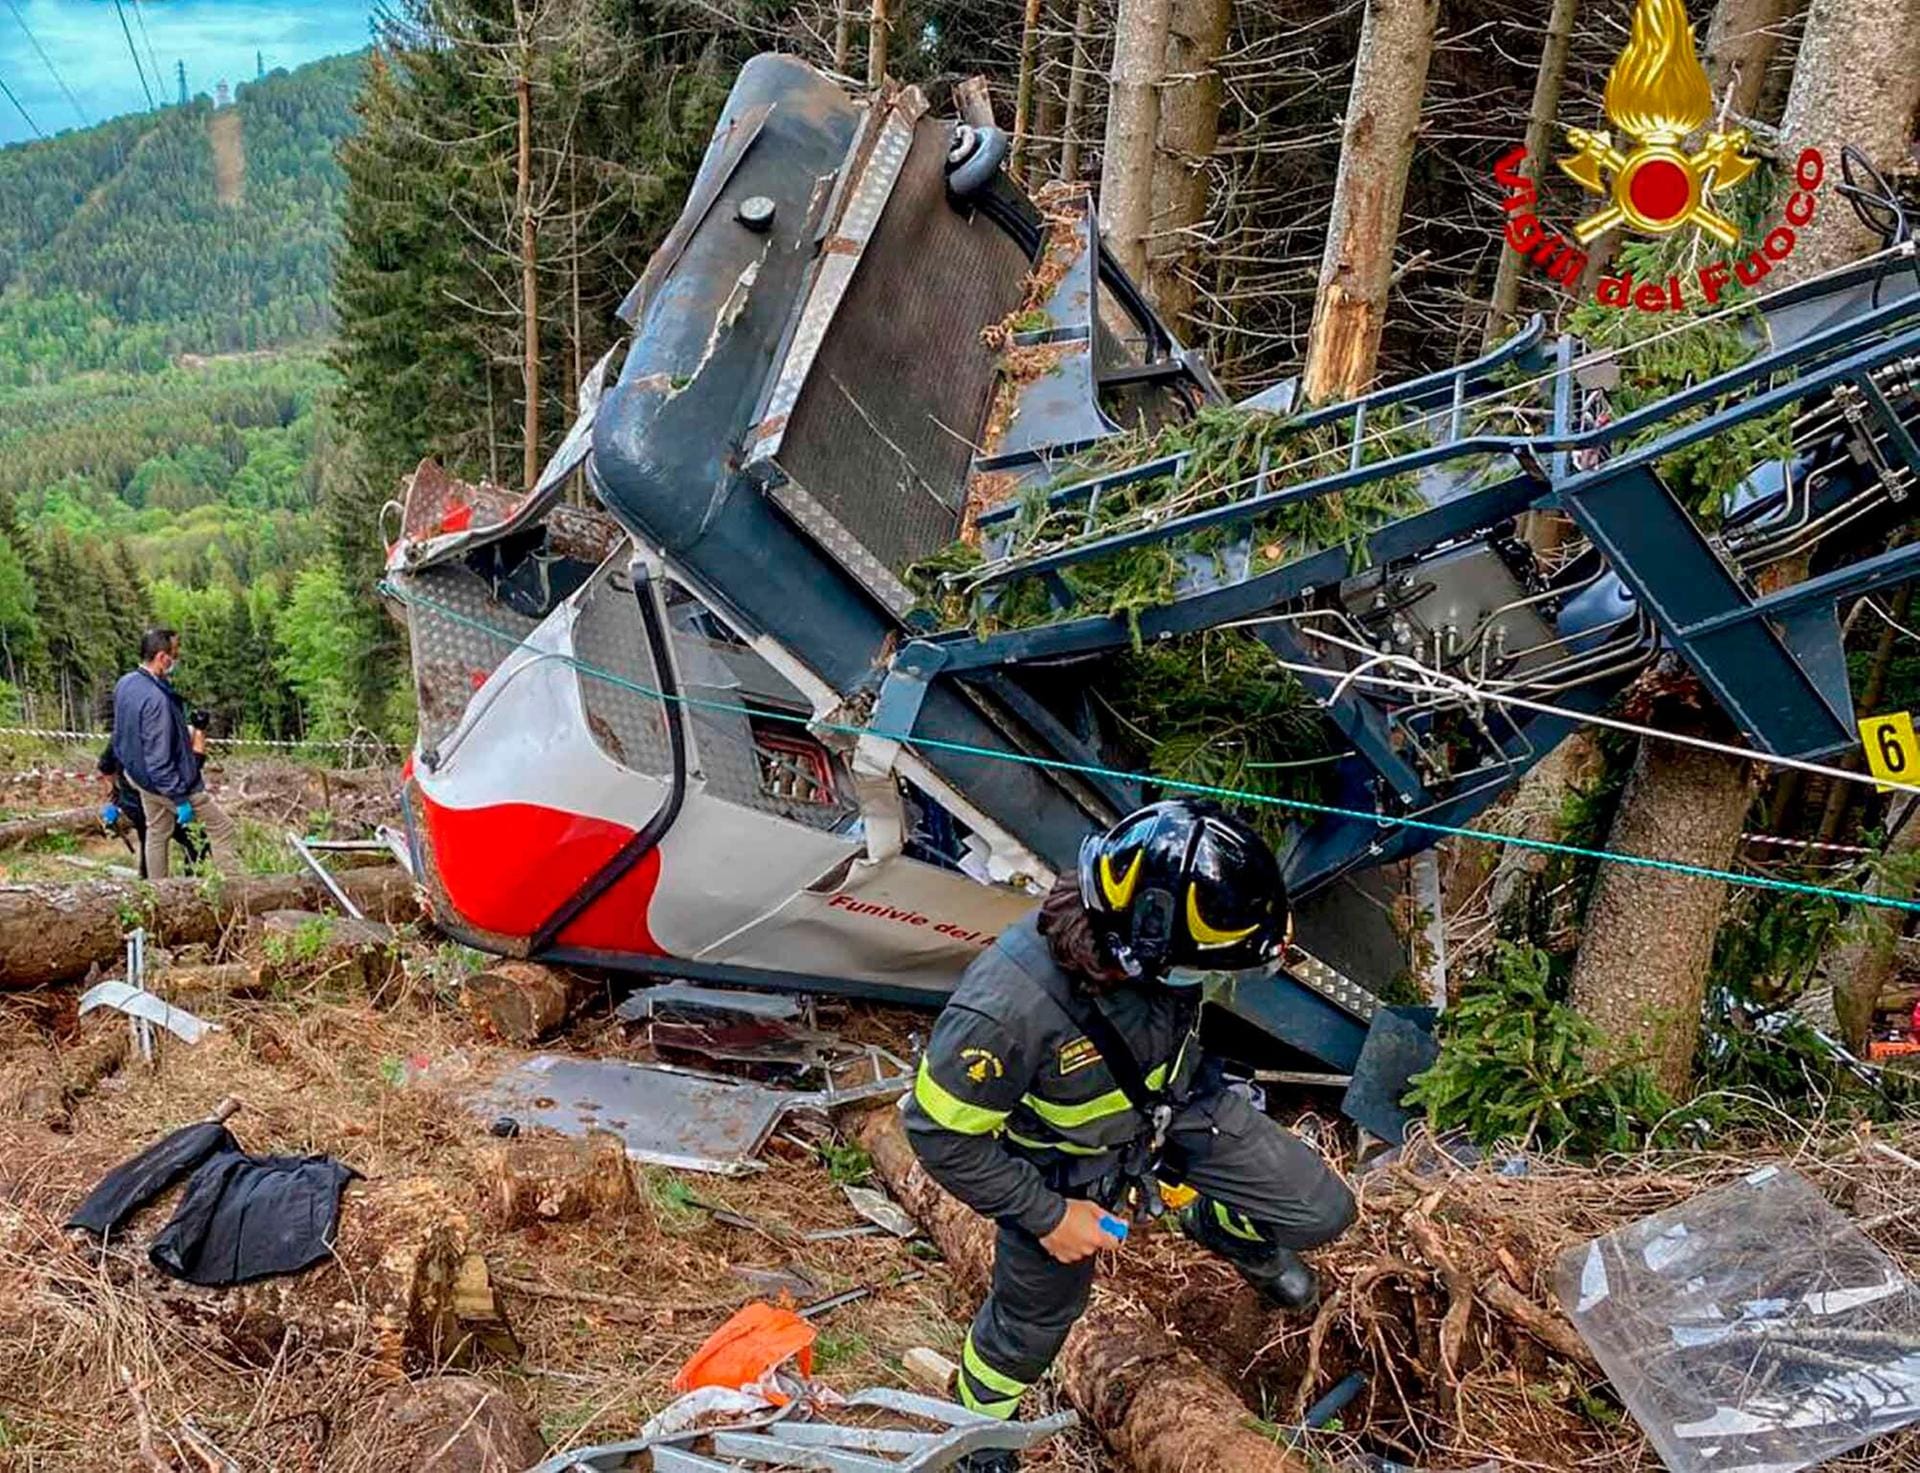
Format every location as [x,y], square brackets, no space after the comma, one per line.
[165,287]
[192,229]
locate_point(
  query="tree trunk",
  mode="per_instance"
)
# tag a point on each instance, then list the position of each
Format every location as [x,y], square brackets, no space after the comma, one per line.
[1741,41]
[1863,966]
[529,283]
[1840,794]
[877,27]
[1856,81]
[842,36]
[1376,153]
[17,831]
[1023,94]
[1149,1397]
[51,933]
[1189,129]
[1547,80]
[1077,69]
[1133,130]
[1641,970]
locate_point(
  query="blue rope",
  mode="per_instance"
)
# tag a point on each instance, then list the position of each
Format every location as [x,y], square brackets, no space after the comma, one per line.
[1206,790]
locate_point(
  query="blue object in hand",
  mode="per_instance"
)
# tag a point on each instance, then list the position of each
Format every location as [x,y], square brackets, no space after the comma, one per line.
[1111,1224]
[184,812]
[110,814]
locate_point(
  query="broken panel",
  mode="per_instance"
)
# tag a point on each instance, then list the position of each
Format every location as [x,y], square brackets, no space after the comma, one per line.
[1752,1329]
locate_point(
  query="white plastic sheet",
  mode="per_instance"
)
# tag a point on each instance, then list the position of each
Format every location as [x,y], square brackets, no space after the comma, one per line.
[1752,1329]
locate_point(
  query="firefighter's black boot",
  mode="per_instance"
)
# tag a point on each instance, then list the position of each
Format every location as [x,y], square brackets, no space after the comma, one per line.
[996,1461]
[1279,1274]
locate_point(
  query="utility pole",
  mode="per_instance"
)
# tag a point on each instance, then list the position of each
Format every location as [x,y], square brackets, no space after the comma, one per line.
[259,65]
[180,71]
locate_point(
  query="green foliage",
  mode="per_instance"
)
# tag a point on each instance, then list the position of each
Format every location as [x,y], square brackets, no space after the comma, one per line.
[1514,1066]
[673,1202]
[316,661]
[833,1348]
[117,250]
[848,1165]
[1704,474]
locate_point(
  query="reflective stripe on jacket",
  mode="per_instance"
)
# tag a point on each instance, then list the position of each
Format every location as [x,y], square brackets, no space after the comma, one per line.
[1010,1085]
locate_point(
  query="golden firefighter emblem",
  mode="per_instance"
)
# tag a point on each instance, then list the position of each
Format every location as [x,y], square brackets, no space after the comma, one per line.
[982,1064]
[1657,94]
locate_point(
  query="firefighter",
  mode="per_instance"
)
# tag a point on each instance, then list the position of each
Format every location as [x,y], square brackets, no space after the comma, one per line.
[1064,1090]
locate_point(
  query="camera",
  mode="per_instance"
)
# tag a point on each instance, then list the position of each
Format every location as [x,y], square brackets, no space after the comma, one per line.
[200,717]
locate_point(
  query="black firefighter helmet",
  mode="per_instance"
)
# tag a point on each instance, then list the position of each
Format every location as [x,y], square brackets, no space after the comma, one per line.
[1183,884]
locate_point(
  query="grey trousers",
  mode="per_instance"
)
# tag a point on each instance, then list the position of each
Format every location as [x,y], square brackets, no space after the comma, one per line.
[160,824]
[1261,1188]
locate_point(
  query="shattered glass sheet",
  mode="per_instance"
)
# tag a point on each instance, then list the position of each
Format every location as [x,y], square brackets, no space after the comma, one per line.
[1752,1329]
[665,1116]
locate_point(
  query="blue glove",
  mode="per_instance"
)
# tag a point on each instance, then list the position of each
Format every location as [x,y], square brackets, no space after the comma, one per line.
[110,814]
[1114,1226]
[184,812]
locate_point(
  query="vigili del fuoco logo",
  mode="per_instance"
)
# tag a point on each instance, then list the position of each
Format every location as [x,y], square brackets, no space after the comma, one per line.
[1657,96]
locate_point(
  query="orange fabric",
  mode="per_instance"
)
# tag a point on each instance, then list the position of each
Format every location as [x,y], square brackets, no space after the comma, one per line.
[757,1338]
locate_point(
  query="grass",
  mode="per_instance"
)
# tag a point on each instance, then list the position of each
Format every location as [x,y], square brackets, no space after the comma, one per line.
[672,1201]
[262,850]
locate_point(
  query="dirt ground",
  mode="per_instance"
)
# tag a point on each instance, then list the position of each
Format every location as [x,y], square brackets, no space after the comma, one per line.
[92,1350]
[320,1070]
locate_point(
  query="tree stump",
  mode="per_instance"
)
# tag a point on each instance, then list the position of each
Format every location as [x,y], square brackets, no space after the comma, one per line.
[404,1269]
[522,1002]
[549,1179]
[449,1424]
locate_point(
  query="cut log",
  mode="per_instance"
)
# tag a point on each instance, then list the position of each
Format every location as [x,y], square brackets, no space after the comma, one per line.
[1153,1401]
[51,933]
[403,1271]
[17,831]
[450,1424]
[558,1180]
[522,1002]
[42,1086]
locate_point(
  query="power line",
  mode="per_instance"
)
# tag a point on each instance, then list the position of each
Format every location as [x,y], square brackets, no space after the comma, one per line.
[133,51]
[20,107]
[1207,790]
[41,52]
[141,21]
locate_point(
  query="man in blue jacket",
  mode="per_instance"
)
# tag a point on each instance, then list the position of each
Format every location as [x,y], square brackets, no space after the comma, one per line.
[161,753]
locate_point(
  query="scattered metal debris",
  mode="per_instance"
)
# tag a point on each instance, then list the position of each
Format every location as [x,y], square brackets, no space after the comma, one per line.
[784,1439]
[305,849]
[878,1209]
[687,997]
[665,1115]
[1750,1327]
[854,1295]
[144,1008]
[793,1281]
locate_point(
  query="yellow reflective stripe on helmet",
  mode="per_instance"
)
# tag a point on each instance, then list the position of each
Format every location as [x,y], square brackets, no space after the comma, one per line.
[1119,892]
[1067,1146]
[987,1376]
[1232,1222]
[1113,1102]
[949,1111]
[1205,935]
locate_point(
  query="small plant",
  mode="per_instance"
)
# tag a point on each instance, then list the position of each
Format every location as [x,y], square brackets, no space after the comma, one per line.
[849,1166]
[1515,1065]
[837,1348]
[673,1202]
[393,1073]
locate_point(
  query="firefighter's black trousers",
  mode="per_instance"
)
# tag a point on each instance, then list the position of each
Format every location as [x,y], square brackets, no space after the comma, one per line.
[1260,1187]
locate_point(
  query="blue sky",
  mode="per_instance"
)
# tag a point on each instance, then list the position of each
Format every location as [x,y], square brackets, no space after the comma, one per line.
[215,38]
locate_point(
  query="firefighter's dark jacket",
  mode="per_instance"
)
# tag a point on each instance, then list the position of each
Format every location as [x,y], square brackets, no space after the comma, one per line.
[1012,1099]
